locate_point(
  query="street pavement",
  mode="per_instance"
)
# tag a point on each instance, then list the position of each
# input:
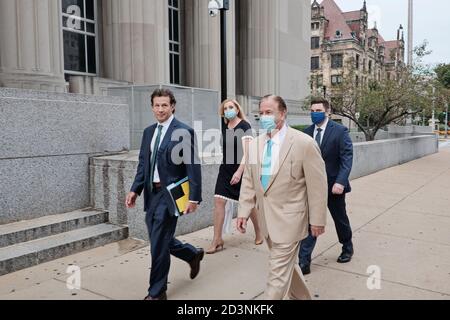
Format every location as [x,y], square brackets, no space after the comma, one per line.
[401,222]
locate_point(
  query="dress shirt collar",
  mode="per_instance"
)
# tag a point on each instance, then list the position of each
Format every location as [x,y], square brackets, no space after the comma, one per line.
[278,138]
[324,126]
[166,123]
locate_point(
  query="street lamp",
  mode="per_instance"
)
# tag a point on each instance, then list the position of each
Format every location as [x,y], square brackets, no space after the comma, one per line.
[214,7]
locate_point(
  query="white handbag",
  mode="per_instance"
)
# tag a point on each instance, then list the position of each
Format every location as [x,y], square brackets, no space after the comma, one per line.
[230,207]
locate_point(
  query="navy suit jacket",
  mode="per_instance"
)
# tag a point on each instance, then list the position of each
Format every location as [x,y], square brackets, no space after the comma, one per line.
[337,152]
[177,159]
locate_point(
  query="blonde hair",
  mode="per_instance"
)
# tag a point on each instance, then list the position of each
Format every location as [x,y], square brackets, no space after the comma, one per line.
[240,115]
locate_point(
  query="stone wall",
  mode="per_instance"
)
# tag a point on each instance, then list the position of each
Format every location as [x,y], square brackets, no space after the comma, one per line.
[360,137]
[112,177]
[198,108]
[370,157]
[408,131]
[394,132]
[45,144]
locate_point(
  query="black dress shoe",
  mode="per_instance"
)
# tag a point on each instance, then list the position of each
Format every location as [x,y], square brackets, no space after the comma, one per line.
[195,263]
[345,257]
[162,296]
[305,269]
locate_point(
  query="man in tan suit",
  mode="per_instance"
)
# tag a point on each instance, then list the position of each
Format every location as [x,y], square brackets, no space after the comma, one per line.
[285,180]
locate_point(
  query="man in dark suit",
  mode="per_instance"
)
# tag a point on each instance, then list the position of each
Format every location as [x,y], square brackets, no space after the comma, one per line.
[337,152]
[168,154]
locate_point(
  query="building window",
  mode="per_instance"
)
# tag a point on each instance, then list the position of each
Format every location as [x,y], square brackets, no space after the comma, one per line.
[316,82]
[357,81]
[337,61]
[174,42]
[315,63]
[80,36]
[357,61]
[315,26]
[315,43]
[336,79]
[370,66]
[336,103]
[338,34]
[319,81]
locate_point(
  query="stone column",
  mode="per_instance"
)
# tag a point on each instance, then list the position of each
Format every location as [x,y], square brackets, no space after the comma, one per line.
[202,43]
[136,41]
[31,51]
[275,43]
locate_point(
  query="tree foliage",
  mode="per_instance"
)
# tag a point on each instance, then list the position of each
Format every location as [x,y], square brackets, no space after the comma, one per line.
[443,75]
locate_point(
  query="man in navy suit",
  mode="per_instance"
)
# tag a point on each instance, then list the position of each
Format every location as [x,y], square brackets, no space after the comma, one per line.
[168,154]
[337,152]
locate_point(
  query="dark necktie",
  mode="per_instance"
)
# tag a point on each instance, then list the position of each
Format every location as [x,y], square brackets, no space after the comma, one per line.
[319,136]
[154,156]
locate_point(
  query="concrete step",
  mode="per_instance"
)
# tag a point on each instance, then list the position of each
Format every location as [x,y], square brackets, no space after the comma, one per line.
[24,231]
[27,254]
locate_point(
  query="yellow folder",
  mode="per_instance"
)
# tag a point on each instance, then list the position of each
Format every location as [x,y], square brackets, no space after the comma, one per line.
[179,193]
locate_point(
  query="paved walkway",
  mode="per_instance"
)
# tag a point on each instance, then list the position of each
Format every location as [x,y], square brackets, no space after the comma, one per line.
[401,222]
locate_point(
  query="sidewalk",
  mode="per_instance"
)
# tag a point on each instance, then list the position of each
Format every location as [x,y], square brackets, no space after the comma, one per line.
[444,143]
[401,223]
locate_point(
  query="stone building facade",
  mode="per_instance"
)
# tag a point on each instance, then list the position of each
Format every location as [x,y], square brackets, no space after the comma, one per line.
[85,46]
[343,40]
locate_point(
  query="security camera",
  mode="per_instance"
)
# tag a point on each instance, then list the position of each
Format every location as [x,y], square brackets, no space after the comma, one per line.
[213,8]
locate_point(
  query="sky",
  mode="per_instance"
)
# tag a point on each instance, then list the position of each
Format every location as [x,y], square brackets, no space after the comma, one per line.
[431,17]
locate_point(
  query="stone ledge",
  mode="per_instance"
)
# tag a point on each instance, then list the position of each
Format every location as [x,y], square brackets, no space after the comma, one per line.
[47,95]
[112,176]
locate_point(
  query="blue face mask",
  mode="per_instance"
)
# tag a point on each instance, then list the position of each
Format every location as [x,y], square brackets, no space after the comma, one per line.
[318,117]
[268,123]
[230,114]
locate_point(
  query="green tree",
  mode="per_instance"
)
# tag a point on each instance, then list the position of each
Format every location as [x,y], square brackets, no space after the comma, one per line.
[443,87]
[443,74]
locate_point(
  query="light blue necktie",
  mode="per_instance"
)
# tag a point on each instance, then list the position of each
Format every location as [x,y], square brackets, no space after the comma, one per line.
[266,174]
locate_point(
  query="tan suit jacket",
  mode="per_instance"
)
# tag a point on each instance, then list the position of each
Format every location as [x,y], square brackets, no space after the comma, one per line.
[298,191]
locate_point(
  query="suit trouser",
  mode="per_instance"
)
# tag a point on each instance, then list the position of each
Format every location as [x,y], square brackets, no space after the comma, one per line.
[337,207]
[285,277]
[161,229]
